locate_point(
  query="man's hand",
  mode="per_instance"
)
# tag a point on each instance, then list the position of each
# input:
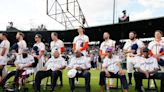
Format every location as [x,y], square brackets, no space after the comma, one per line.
[157,57]
[121,72]
[146,74]
[107,74]
[44,69]
[78,68]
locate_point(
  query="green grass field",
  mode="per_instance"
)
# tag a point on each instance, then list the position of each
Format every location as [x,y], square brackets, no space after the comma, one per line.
[80,87]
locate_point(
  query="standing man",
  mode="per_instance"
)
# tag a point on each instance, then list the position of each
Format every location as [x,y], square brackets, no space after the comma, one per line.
[59,45]
[38,52]
[56,43]
[107,43]
[4,49]
[21,42]
[81,41]
[132,48]
[156,47]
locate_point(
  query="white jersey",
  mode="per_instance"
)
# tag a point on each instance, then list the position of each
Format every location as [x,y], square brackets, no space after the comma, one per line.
[55,63]
[130,43]
[156,47]
[21,45]
[82,62]
[20,61]
[146,64]
[111,64]
[107,44]
[56,45]
[4,44]
[79,41]
[41,48]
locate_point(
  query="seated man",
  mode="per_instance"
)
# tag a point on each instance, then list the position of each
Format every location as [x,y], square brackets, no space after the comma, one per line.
[145,67]
[79,67]
[53,68]
[23,65]
[112,68]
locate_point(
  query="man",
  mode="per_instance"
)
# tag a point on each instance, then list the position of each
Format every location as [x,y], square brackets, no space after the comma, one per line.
[56,43]
[59,45]
[156,48]
[132,48]
[79,67]
[112,68]
[108,43]
[4,49]
[38,52]
[81,42]
[53,68]
[145,67]
[21,42]
[24,66]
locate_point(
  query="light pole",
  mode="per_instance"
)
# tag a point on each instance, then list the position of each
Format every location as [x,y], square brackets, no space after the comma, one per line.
[114,3]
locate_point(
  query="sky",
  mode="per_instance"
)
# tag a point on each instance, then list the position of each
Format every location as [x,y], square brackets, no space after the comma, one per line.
[28,14]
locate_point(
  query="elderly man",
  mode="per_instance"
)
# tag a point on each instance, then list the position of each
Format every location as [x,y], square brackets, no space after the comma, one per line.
[79,67]
[24,66]
[112,68]
[53,68]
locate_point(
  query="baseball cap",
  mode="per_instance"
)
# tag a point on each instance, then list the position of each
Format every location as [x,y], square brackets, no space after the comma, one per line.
[109,50]
[72,73]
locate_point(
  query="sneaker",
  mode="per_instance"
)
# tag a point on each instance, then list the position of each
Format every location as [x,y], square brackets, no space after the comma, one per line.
[152,85]
[142,89]
[130,84]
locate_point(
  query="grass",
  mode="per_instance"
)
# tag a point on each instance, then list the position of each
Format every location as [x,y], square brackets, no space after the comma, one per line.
[94,84]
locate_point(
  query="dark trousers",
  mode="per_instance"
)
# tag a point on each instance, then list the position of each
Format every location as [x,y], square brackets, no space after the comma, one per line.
[140,76]
[17,74]
[102,80]
[43,74]
[84,74]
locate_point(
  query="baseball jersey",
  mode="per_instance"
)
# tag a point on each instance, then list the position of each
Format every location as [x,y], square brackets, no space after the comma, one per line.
[111,64]
[130,43]
[80,42]
[146,64]
[40,46]
[55,63]
[82,62]
[4,44]
[59,45]
[157,48]
[20,61]
[106,44]
[21,45]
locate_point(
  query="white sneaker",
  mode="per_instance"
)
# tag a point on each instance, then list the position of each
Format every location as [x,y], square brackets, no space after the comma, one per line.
[152,84]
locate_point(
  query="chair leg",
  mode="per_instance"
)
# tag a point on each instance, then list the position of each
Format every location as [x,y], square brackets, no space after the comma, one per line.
[47,83]
[155,85]
[148,84]
[117,84]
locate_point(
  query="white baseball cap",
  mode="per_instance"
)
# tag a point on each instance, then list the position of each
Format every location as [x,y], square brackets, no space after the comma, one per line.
[72,73]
